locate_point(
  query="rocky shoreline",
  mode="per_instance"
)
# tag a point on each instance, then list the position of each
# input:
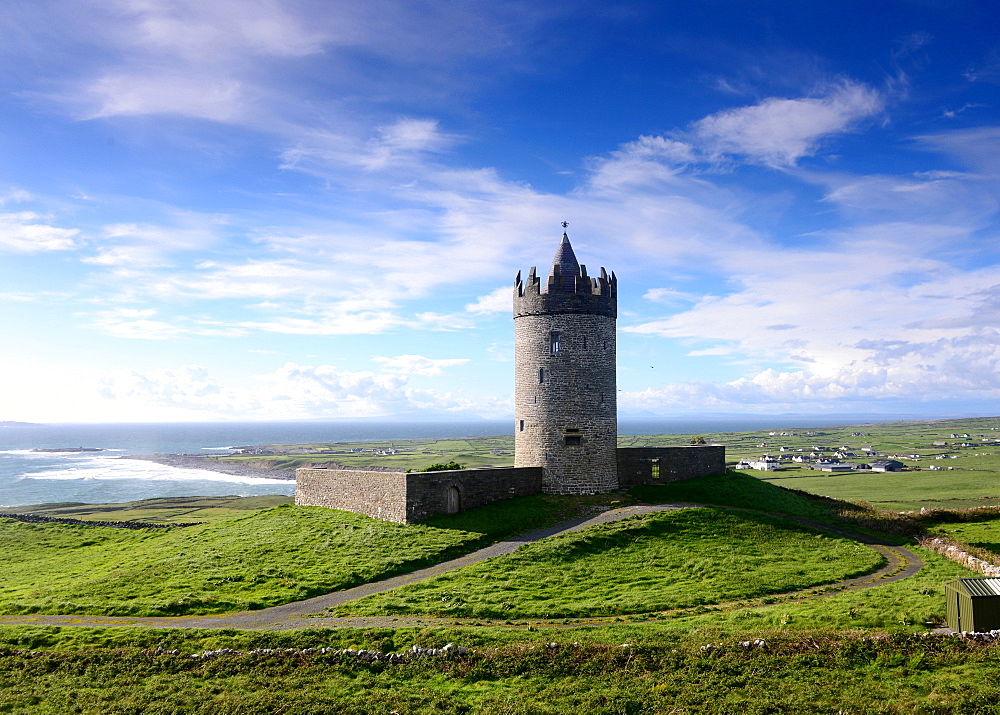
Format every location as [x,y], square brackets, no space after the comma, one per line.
[197,461]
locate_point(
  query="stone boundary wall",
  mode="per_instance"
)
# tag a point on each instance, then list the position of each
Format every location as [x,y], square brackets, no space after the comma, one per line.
[40,519]
[405,497]
[961,556]
[375,493]
[635,464]
[427,492]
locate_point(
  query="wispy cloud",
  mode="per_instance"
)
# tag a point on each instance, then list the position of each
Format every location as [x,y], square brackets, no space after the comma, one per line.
[418,364]
[496,301]
[779,131]
[25,232]
[289,392]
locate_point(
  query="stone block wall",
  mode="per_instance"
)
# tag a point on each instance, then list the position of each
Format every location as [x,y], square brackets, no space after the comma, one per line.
[407,497]
[639,465]
[375,493]
[427,492]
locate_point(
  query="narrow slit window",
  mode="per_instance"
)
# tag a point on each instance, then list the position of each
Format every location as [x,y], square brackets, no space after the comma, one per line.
[584,342]
[541,375]
[554,342]
[521,426]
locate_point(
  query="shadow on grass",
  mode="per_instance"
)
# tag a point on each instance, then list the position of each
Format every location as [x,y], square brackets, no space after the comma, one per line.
[518,515]
[739,490]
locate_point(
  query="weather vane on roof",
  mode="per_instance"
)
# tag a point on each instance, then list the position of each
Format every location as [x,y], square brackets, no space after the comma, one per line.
[565,224]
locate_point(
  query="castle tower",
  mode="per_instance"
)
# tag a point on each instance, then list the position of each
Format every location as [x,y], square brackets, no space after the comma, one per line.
[566,412]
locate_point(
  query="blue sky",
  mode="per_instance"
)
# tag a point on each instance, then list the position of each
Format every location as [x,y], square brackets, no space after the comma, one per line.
[278,209]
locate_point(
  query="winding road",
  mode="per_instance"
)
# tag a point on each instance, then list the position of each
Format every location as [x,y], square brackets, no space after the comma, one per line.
[312,613]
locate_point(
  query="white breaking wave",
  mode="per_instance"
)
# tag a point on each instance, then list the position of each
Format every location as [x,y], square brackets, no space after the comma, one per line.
[101,468]
[31,454]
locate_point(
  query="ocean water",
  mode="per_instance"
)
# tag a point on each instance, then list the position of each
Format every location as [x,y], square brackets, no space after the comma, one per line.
[28,477]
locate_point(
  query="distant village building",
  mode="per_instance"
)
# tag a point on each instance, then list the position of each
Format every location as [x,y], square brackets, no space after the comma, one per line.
[764,464]
[886,465]
[834,467]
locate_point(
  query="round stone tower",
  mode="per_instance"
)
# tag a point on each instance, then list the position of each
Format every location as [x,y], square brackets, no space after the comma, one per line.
[566,412]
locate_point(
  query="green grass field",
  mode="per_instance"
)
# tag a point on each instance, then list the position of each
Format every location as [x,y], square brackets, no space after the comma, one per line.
[252,560]
[851,652]
[976,484]
[163,510]
[658,562]
[814,673]
[982,534]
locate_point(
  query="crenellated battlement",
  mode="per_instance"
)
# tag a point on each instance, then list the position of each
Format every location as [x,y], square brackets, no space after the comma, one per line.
[568,289]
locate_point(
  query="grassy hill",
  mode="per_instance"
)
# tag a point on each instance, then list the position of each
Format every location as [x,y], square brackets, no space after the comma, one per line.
[864,651]
[658,562]
[237,560]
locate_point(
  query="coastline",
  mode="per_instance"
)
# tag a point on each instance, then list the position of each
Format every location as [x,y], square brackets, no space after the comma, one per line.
[191,461]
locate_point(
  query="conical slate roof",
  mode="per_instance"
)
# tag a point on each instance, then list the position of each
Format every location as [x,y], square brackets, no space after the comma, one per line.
[566,259]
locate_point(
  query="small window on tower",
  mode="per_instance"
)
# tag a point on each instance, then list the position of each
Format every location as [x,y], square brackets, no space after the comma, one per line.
[654,469]
[584,342]
[541,375]
[573,439]
[521,426]
[554,342]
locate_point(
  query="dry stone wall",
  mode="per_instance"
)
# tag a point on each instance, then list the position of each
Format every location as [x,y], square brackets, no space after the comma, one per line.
[660,465]
[407,497]
[375,493]
[427,492]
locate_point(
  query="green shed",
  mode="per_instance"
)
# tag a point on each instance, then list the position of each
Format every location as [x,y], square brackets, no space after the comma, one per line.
[973,604]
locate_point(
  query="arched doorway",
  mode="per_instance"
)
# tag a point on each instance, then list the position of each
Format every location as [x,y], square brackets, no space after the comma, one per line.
[454,499]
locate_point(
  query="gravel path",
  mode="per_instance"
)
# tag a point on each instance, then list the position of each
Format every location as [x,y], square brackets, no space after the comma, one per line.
[311,613]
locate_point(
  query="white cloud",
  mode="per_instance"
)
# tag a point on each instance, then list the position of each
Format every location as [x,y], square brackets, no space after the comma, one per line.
[14,196]
[124,95]
[22,232]
[141,324]
[402,140]
[499,300]
[134,323]
[977,147]
[289,392]
[418,364]
[779,132]
[330,322]
[661,148]
[669,296]
[120,256]
[240,61]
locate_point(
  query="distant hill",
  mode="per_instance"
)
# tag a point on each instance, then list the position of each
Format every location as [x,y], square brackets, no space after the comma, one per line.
[19,424]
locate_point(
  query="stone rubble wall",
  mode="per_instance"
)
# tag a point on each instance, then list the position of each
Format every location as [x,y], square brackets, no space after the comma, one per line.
[40,519]
[375,493]
[427,492]
[405,497]
[635,464]
[961,556]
